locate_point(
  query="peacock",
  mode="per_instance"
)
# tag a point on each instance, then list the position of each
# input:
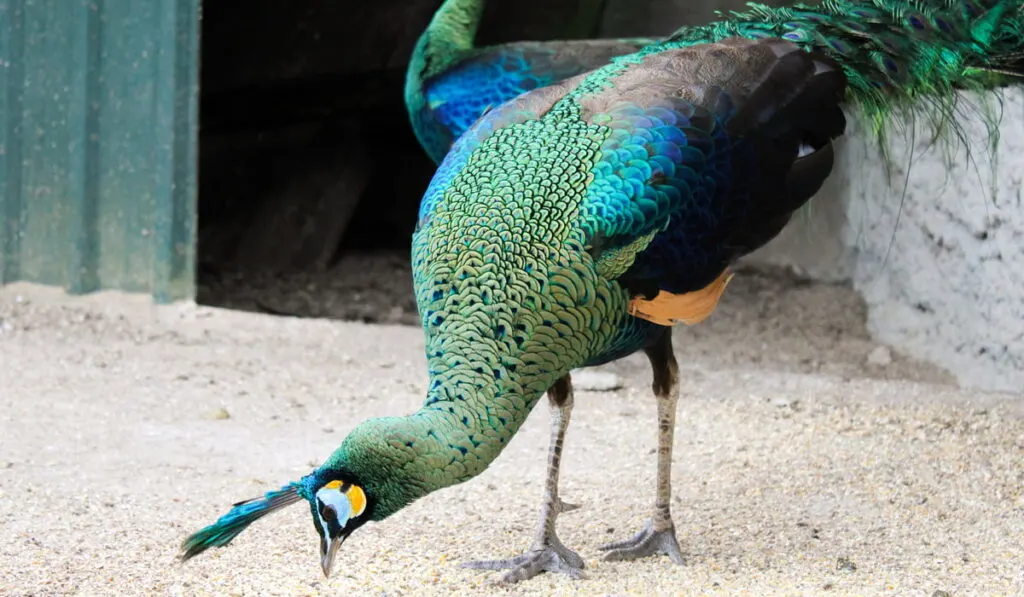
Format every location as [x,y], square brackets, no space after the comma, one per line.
[579,222]
[449,83]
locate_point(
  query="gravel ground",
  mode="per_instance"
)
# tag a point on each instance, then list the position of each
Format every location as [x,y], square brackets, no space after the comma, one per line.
[809,460]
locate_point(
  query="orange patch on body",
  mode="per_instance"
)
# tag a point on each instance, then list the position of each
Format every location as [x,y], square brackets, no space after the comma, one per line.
[670,309]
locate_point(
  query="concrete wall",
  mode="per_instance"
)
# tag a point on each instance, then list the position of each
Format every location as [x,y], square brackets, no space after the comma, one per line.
[941,267]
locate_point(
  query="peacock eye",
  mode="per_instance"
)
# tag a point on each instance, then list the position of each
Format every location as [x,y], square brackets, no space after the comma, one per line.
[328,513]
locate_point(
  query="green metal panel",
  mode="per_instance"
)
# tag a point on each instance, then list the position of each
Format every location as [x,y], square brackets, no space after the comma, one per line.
[98,137]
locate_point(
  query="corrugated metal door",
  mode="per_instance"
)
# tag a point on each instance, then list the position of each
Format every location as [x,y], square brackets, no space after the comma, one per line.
[98,141]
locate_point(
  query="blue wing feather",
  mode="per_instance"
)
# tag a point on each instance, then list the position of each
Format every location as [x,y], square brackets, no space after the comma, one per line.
[461,94]
[668,168]
[489,77]
[689,186]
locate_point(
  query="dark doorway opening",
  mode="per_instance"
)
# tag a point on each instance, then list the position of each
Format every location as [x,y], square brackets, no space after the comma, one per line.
[310,175]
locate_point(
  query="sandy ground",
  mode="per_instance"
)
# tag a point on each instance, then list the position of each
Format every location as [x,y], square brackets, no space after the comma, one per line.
[809,460]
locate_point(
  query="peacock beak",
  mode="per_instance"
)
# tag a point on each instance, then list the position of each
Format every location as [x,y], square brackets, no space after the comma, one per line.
[328,549]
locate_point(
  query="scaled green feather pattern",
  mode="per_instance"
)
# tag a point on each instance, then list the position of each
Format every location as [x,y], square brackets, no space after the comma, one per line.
[502,289]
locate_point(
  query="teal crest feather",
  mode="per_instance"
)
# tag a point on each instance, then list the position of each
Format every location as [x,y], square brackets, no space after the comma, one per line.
[241,515]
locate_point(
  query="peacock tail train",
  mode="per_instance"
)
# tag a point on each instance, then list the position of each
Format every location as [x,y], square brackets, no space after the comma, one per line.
[902,59]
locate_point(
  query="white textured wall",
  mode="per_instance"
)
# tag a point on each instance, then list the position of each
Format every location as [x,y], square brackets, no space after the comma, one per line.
[943,278]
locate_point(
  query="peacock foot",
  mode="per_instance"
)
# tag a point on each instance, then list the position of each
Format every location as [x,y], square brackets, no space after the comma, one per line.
[552,557]
[564,506]
[647,542]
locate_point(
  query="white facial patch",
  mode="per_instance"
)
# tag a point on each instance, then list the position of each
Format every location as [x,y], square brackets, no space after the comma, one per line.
[339,502]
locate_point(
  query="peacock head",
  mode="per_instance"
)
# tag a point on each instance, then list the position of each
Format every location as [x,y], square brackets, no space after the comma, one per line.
[339,507]
[338,502]
[358,483]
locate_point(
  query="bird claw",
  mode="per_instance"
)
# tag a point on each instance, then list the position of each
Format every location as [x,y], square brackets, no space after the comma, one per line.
[564,506]
[647,542]
[553,557]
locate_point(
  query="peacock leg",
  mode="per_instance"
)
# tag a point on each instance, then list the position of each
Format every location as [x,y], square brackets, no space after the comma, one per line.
[659,534]
[547,554]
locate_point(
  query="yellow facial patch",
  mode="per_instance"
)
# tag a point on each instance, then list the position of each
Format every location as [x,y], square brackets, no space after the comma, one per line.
[333,485]
[357,498]
[670,309]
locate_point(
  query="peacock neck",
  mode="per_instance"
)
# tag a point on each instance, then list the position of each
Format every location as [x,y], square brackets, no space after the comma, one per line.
[475,404]
[466,421]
